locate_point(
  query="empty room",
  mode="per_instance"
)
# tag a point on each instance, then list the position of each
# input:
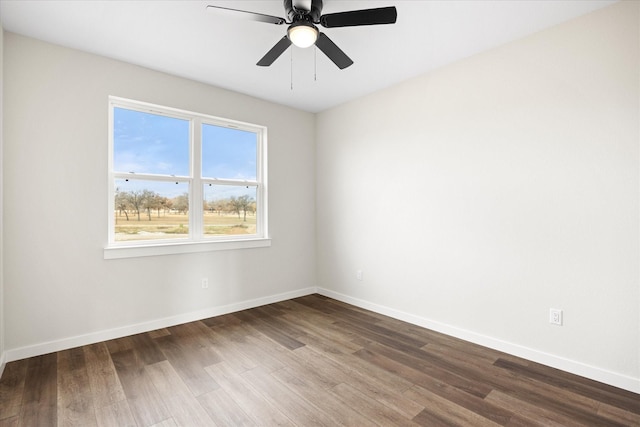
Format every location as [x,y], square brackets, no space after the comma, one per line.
[306,212]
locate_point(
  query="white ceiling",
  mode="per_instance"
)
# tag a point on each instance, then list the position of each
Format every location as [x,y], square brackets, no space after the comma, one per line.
[184,39]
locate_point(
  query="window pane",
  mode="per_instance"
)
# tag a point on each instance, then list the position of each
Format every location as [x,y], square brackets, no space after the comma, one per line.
[228,153]
[150,143]
[151,210]
[229,210]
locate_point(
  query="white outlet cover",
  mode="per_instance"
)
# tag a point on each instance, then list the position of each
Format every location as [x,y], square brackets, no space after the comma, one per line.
[555,316]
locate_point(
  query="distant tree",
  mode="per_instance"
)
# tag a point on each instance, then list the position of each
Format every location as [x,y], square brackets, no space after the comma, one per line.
[233,205]
[241,204]
[162,204]
[149,200]
[167,204]
[246,203]
[220,206]
[181,203]
[122,203]
[135,200]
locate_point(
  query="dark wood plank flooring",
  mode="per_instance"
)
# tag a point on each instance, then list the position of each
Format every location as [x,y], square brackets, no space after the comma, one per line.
[304,362]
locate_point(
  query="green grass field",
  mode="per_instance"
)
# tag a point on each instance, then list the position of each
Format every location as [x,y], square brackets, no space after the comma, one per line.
[176,225]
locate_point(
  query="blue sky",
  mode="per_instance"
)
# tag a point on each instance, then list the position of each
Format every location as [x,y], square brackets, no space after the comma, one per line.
[150,143]
[155,144]
[228,153]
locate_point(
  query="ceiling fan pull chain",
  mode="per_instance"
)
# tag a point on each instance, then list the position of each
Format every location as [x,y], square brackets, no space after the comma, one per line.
[315,63]
[291,69]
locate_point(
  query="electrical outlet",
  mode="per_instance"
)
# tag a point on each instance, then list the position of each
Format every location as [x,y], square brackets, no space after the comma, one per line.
[359,274]
[555,316]
[205,283]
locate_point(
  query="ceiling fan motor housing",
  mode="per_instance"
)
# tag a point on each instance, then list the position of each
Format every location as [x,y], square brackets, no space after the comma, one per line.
[295,15]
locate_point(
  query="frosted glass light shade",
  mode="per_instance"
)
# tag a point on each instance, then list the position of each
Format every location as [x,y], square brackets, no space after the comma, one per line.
[303,34]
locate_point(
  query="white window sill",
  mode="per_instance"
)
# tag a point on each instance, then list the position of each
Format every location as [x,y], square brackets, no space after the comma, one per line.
[155,249]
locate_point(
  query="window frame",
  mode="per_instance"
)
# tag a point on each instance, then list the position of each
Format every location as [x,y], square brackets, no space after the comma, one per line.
[197,240]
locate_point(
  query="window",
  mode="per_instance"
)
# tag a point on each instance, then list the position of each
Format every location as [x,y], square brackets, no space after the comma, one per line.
[183,182]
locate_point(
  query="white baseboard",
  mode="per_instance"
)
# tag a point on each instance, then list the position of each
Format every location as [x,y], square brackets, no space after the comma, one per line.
[80,340]
[571,366]
[587,371]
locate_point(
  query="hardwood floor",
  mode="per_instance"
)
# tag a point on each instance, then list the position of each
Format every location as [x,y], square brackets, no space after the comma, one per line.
[304,362]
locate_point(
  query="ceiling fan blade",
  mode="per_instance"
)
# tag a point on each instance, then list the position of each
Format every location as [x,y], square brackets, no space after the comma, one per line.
[243,14]
[275,52]
[381,15]
[302,5]
[332,51]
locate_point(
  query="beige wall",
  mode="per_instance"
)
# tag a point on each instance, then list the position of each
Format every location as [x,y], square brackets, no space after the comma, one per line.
[476,197]
[59,289]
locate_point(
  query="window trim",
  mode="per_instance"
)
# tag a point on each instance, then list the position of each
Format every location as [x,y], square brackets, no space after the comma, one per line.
[196,240]
[157,249]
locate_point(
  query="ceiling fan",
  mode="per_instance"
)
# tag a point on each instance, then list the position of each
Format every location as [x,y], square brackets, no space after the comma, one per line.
[303,15]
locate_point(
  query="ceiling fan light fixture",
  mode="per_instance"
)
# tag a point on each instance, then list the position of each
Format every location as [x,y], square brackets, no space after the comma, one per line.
[302,34]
